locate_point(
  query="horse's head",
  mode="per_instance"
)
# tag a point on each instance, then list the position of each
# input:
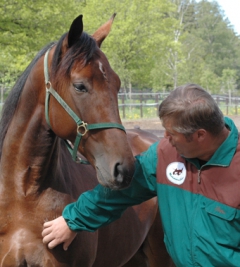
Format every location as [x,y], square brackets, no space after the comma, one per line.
[82,105]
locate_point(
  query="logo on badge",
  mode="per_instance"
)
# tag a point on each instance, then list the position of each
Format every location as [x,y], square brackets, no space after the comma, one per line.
[176,172]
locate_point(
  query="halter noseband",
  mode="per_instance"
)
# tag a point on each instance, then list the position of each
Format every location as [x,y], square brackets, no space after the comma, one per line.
[81,125]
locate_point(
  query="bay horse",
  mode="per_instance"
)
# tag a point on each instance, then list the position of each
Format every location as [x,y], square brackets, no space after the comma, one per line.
[65,105]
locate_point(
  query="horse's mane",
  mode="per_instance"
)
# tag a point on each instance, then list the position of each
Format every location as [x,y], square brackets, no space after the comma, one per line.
[11,102]
[83,49]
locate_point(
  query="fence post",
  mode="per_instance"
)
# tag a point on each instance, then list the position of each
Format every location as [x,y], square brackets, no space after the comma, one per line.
[236,105]
[123,105]
[156,99]
[1,105]
[226,106]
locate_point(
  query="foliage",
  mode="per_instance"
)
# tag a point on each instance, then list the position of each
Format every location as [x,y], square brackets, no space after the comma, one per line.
[229,80]
[210,46]
[156,44]
[26,26]
[139,37]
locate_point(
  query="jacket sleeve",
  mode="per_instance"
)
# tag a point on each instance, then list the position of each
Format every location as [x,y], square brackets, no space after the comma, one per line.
[101,206]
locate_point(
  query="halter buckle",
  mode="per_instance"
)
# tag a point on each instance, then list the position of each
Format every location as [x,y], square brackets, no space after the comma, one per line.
[84,130]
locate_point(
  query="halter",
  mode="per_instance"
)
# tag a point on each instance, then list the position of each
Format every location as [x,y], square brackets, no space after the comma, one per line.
[82,127]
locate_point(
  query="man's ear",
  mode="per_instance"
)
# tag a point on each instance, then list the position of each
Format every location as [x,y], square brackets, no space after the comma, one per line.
[201,134]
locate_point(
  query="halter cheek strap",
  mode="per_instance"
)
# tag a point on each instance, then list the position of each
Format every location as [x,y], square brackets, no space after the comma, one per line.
[82,127]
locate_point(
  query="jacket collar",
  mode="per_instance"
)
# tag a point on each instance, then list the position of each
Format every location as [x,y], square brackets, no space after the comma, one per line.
[224,154]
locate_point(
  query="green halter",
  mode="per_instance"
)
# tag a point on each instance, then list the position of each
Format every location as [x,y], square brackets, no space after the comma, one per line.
[81,125]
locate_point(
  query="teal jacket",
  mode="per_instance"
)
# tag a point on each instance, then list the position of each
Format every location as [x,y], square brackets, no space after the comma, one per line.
[199,205]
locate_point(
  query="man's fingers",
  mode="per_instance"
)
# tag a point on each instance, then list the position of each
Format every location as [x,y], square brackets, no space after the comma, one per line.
[52,244]
[46,231]
[47,238]
[65,247]
[56,232]
[47,224]
[69,241]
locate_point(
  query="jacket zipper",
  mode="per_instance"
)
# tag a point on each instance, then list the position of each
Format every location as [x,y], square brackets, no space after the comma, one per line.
[199,176]
[199,171]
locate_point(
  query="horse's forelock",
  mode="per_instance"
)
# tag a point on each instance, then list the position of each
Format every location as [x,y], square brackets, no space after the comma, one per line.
[82,51]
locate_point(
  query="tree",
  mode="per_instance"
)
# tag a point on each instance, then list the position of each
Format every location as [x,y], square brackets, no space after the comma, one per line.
[214,44]
[219,39]
[155,44]
[139,37]
[229,78]
[28,25]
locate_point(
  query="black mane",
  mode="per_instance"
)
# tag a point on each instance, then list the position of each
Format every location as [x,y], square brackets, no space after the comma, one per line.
[11,102]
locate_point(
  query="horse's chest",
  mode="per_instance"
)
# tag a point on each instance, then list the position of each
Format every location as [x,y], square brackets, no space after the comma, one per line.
[24,247]
[21,224]
[21,247]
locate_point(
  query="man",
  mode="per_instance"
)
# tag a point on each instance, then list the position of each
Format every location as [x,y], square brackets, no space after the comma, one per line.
[195,173]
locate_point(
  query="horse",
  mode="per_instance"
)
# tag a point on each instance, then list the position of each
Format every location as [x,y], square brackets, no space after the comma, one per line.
[60,135]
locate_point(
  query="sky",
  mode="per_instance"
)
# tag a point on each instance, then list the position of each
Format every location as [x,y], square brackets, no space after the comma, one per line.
[232,10]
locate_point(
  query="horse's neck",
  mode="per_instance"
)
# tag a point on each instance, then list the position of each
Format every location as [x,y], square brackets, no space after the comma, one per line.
[29,148]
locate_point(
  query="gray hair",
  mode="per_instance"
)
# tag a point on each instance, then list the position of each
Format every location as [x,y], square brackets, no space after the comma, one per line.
[190,108]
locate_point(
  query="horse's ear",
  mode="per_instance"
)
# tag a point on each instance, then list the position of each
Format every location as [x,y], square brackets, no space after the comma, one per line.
[103,31]
[75,31]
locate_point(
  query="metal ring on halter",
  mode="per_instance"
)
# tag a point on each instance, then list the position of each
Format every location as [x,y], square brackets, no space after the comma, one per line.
[48,85]
[78,160]
[84,126]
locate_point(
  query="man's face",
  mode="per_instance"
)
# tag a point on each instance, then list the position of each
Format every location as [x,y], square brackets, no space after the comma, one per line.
[189,148]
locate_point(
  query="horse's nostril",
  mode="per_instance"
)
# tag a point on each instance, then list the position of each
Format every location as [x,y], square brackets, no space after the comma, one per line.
[118,173]
[122,176]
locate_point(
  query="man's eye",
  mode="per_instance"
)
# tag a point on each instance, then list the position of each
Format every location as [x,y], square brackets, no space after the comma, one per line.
[80,87]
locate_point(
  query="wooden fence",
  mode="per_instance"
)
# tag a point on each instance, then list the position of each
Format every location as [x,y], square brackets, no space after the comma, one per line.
[145,105]
[137,105]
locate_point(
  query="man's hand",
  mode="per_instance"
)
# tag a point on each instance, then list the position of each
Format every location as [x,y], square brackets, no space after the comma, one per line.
[56,232]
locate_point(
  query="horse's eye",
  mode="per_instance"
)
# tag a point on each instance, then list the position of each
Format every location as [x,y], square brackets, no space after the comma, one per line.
[80,87]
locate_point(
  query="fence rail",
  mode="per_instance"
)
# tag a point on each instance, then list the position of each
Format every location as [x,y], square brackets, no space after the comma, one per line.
[145,105]
[137,105]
